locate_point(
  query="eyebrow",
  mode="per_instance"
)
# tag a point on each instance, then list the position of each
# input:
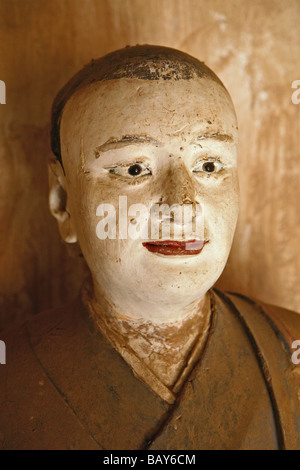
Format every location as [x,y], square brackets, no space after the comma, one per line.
[115,143]
[216,136]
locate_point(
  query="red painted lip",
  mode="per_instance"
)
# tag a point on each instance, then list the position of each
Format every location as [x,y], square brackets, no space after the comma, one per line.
[174,247]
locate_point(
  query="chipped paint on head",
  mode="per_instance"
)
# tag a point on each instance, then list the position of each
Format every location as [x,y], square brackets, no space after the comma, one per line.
[145,62]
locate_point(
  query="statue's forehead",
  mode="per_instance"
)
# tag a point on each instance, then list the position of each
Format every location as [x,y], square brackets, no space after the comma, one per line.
[203,90]
[143,102]
[151,115]
[146,63]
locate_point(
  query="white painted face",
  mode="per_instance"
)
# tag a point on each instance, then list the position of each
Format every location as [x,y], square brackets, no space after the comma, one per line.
[172,129]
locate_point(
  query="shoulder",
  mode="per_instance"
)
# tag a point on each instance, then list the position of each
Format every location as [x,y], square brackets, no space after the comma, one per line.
[19,340]
[26,390]
[54,335]
[272,332]
[285,323]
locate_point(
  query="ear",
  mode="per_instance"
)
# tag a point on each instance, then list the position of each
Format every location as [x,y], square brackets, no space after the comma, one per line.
[58,202]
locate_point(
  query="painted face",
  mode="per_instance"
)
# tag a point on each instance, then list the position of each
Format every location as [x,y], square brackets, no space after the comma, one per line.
[151,142]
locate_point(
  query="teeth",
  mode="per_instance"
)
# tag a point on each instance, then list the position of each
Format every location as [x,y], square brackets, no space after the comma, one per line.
[179,244]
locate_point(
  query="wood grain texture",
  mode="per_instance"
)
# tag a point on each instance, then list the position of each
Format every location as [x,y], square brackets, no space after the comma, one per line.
[254,48]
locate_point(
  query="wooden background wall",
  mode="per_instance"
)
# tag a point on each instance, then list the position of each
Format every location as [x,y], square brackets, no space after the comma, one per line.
[253,45]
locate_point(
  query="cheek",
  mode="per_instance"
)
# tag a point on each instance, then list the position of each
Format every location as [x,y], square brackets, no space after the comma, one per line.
[89,195]
[221,201]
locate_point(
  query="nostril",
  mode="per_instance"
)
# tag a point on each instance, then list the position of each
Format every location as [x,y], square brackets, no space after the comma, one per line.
[187,200]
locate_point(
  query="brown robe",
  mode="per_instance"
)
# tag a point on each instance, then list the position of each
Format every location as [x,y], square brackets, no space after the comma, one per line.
[65,387]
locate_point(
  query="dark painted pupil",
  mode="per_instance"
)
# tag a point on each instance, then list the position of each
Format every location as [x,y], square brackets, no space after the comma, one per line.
[134,170]
[209,167]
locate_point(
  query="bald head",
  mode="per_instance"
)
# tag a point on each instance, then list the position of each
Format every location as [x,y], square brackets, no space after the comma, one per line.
[144,62]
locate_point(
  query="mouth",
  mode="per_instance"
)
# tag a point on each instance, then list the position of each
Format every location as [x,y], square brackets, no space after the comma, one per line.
[174,247]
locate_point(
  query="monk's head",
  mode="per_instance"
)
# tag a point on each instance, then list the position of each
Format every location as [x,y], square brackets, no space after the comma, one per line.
[136,129]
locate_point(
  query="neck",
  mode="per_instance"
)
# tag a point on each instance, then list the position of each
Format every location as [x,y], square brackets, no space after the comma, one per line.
[140,306]
[166,348]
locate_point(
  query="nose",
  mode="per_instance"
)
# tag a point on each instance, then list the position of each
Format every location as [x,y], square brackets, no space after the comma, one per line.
[178,185]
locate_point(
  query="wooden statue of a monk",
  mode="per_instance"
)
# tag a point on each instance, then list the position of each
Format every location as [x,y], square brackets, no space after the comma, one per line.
[150,356]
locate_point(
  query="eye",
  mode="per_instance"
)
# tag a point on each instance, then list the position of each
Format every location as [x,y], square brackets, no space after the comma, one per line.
[130,171]
[207,166]
[135,170]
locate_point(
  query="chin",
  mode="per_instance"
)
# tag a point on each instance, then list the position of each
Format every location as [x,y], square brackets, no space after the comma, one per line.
[180,282]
